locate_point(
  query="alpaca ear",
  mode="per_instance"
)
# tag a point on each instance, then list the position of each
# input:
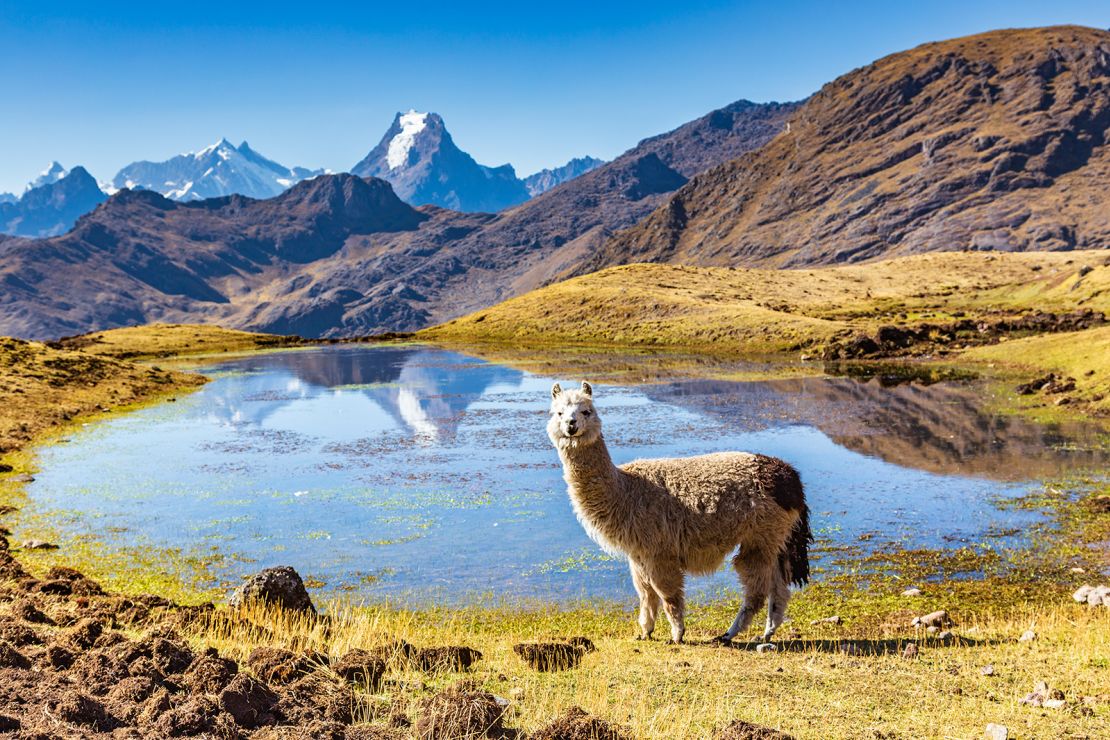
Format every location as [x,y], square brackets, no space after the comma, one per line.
[556,390]
[587,389]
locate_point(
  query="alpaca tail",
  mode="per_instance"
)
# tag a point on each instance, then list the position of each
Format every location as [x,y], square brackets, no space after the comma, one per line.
[795,560]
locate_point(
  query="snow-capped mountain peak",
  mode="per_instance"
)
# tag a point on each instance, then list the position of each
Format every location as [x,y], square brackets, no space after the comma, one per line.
[412,123]
[216,170]
[51,174]
[422,163]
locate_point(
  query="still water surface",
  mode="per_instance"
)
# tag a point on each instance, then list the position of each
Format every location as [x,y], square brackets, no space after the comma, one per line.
[418,474]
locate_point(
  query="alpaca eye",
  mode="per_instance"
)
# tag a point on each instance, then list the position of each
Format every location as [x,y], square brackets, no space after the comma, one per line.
[585,413]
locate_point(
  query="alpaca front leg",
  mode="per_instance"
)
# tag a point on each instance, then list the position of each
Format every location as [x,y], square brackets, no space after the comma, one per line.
[649,601]
[670,583]
[675,607]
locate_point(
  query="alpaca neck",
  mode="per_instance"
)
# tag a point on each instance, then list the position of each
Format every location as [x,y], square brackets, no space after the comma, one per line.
[596,491]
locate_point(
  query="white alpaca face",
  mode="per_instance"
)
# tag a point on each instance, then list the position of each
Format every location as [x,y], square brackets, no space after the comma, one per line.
[573,417]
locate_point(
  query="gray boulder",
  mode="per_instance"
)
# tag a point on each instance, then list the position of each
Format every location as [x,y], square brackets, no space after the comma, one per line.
[281,586]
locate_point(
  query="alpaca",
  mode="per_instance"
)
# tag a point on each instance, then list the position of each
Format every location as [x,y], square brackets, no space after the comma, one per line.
[674,516]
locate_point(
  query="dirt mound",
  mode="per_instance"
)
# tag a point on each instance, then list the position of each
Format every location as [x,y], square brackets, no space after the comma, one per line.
[461,711]
[576,724]
[75,708]
[209,674]
[198,715]
[251,703]
[447,658]
[741,730]
[550,656]
[361,667]
[278,666]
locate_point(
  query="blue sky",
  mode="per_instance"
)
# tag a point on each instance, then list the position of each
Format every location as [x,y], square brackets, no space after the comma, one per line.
[534,84]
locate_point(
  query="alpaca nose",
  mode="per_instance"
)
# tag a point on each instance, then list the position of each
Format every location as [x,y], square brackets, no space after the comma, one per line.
[572,426]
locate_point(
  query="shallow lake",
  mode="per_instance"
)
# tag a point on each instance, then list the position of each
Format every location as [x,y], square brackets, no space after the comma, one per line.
[419,474]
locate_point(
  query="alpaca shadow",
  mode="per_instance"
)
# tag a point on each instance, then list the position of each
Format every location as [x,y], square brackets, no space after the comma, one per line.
[851,648]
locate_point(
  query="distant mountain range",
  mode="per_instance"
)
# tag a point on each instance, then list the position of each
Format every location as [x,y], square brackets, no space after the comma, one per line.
[338,254]
[544,180]
[217,170]
[416,155]
[996,141]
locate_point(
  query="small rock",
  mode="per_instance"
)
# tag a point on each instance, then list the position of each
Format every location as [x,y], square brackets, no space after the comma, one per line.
[835,619]
[945,635]
[1098,595]
[938,618]
[767,647]
[987,670]
[1027,636]
[1053,703]
[912,592]
[39,545]
[516,693]
[1077,569]
[996,732]
[910,652]
[22,478]
[1080,595]
[932,629]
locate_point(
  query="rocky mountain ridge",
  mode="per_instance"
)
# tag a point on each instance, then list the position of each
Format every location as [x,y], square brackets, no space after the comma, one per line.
[995,141]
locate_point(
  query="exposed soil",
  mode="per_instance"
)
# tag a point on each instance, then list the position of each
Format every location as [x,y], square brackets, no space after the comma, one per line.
[928,338]
[550,656]
[76,662]
[741,730]
[576,724]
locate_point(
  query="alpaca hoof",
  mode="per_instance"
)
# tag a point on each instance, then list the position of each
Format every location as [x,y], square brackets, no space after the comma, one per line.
[723,640]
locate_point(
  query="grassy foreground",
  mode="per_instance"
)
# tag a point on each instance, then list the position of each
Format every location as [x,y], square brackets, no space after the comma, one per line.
[832,682]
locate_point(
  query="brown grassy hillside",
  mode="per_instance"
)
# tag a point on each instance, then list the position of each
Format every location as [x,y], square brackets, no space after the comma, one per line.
[996,141]
[755,310]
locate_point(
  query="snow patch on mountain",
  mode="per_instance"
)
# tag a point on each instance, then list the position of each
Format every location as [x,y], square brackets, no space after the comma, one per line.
[51,174]
[412,123]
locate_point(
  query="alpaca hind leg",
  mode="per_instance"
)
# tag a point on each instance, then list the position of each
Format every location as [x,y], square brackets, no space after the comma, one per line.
[756,571]
[776,603]
[649,601]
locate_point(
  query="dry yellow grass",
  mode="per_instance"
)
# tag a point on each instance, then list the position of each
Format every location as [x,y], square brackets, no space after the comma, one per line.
[172,340]
[744,311]
[811,688]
